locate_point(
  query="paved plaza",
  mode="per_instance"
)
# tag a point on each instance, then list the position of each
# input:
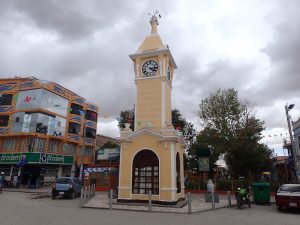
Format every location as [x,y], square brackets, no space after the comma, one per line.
[101,201]
[25,209]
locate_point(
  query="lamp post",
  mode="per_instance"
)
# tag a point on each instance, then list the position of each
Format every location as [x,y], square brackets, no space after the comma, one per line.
[295,168]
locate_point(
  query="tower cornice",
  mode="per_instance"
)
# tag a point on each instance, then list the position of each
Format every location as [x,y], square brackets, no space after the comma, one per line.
[154,53]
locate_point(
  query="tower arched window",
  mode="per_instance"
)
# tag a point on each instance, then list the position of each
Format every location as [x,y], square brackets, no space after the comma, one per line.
[145,173]
[178,180]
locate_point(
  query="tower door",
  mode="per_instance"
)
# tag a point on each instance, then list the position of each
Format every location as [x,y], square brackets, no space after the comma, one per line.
[145,173]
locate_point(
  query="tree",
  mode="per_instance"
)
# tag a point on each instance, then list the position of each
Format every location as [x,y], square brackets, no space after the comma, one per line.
[231,128]
[126,116]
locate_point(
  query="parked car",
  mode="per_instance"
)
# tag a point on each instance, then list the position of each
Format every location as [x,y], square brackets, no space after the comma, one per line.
[288,196]
[67,187]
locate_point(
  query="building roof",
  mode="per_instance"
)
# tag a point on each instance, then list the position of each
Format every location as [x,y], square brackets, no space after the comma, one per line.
[153,44]
[102,139]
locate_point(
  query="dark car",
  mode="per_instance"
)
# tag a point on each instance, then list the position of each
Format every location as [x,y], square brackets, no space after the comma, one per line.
[67,187]
[288,196]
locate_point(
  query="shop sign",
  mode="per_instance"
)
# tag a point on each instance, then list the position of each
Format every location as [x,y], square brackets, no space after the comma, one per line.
[35,157]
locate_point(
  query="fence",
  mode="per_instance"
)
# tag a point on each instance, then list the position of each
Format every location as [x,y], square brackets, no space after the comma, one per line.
[86,194]
[189,201]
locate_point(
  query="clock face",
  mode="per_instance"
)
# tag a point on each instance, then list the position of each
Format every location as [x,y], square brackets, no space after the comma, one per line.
[149,68]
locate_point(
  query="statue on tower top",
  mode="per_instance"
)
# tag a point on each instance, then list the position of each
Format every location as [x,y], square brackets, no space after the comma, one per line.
[154,21]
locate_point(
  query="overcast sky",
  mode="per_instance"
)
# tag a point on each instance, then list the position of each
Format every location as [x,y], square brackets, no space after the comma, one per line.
[252,46]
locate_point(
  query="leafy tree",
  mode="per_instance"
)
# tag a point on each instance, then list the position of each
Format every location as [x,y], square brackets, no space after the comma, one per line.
[126,116]
[231,128]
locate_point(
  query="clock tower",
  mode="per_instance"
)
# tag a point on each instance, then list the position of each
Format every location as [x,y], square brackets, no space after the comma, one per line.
[153,68]
[151,157]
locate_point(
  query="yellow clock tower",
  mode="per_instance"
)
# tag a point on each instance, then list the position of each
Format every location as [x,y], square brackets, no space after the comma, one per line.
[152,155]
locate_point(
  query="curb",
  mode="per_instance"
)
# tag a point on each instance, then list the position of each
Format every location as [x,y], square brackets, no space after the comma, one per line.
[25,191]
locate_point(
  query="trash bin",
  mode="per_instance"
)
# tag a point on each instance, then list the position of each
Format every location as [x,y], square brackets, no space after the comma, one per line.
[261,193]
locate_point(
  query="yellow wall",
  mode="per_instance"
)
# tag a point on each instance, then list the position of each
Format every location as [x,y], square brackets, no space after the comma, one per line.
[163,151]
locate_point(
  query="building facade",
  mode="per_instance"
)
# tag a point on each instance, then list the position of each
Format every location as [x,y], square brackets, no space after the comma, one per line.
[46,130]
[151,156]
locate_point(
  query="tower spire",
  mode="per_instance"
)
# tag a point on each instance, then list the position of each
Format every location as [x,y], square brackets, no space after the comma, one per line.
[154,21]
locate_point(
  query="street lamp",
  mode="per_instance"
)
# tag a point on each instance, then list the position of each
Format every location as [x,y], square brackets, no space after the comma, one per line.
[287,109]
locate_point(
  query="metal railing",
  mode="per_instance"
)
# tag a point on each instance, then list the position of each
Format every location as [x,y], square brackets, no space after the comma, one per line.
[86,194]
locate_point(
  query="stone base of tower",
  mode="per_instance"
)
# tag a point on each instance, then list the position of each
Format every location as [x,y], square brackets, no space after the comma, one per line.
[167,197]
[179,203]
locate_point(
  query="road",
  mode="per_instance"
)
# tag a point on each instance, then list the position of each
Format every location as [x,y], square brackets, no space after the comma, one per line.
[19,208]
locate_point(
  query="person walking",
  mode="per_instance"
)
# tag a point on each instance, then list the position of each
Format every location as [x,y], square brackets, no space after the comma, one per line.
[2,177]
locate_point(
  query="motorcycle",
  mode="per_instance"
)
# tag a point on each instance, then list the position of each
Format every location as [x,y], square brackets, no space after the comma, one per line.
[242,198]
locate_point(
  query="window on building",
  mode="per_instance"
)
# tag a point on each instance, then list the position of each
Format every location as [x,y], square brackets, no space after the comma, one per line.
[6,99]
[76,109]
[9,144]
[69,149]
[87,151]
[53,146]
[90,115]
[42,122]
[41,98]
[57,126]
[22,147]
[178,178]
[4,120]
[74,128]
[39,122]
[90,133]
[36,144]
[145,175]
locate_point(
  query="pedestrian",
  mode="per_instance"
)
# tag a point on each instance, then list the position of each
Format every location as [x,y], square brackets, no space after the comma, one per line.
[2,178]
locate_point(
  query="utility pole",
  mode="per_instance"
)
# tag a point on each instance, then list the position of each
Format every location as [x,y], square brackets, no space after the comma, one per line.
[295,166]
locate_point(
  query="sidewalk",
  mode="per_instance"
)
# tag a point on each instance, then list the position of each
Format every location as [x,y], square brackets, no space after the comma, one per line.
[44,190]
[101,201]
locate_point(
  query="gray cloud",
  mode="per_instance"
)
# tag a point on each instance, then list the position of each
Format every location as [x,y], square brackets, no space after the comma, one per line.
[84,46]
